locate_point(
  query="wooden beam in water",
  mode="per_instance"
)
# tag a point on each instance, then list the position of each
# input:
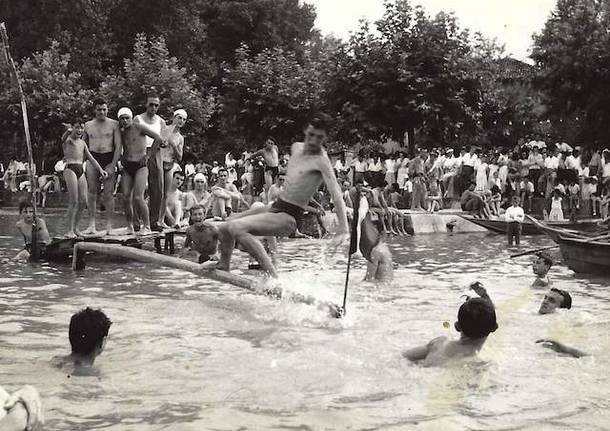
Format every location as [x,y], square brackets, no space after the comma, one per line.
[80,248]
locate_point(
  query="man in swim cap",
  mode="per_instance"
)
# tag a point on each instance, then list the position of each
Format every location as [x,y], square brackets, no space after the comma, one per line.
[135,170]
[308,167]
[103,138]
[170,155]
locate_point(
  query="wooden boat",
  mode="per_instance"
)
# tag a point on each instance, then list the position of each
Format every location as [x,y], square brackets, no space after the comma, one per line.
[553,231]
[586,256]
[528,227]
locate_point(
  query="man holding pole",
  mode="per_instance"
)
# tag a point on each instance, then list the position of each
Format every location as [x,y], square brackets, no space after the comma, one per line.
[308,167]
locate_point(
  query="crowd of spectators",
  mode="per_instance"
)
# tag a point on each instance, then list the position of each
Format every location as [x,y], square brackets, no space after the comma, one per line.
[567,182]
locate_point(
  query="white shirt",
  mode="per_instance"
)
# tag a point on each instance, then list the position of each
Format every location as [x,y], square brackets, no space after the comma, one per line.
[469,159]
[60,166]
[514,214]
[572,162]
[408,186]
[359,166]
[551,162]
[189,169]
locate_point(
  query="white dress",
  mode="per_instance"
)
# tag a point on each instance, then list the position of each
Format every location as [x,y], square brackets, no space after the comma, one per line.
[556,213]
[482,180]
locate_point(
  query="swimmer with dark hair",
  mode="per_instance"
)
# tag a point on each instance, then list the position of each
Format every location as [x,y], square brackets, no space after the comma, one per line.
[541,266]
[476,320]
[201,236]
[87,333]
[24,226]
[555,298]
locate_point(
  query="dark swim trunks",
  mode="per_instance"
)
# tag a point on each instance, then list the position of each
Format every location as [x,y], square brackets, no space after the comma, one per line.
[77,168]
[280,206]
[132,168]
[104,159]
[274,171]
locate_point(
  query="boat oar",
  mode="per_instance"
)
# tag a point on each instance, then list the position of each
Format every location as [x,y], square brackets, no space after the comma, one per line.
[533,251]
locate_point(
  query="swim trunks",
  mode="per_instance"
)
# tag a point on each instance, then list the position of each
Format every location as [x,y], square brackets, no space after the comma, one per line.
[280,206]
[77,168]
[104,159]
[274,171]
[132,168]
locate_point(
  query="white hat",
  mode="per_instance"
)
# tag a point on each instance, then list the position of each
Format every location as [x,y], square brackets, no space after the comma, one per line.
[180,112]
[125,112]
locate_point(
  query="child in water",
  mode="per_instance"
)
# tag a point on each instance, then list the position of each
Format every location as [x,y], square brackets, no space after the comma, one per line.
[379,262]
[476,320]
[201,236]
[24,226]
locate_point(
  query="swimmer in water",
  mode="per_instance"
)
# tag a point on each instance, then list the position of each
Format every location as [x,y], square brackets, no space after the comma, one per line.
[476,320]
[541,266]
[87,333]
[379,262]
[308,167]
[24,226]
[555,298]
[201,236]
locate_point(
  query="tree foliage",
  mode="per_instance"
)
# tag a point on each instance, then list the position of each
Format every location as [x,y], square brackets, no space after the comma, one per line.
[573,54]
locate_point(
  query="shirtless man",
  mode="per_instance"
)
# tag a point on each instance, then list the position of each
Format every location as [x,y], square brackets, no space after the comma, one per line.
[308,167]
[135,173]
[176,200]
[155,172]
[223,194]
[379,262]
[103,138]
[271,155]
[276,188]
[170,154]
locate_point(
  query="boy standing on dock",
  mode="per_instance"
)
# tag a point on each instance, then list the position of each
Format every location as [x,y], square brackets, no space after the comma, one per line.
[514,216]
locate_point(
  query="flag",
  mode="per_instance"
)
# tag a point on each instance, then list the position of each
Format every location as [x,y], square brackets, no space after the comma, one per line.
[364,234]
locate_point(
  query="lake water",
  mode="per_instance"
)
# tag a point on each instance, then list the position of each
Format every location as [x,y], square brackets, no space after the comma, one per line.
[185,353]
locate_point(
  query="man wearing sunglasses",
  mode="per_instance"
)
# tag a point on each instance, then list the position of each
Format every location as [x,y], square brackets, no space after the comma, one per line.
[155,168]
[308,167]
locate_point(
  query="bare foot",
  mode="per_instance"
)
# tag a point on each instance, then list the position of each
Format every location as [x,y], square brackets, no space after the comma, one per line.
[145,231]
[91,230]
[70,235]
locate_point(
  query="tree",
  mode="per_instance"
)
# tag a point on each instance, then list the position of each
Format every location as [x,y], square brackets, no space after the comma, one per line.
[412,74]
[152,69]
[54,95]
[573,55]
[269,94]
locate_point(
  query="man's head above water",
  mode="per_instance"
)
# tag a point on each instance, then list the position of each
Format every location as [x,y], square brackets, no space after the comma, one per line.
[555,298]
[542,264]
[88,332]
[477,316]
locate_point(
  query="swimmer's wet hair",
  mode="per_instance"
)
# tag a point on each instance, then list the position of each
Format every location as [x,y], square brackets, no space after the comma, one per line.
[477,318]
[99,101]
[23,205]
[567,299]
[87,330]
[548,260]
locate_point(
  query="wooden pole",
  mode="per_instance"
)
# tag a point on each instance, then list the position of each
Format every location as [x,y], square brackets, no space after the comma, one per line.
[35,253]
[204,270]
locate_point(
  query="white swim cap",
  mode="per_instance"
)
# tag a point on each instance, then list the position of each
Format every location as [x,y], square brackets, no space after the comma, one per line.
[125,112]
[180,112]
[200,177]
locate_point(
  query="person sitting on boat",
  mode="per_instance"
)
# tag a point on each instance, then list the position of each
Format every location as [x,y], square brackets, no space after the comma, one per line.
[87,333]
[201,236]
[556,213]
[554,299]
[476,320]
[24,226]
[472,202]
[541,266]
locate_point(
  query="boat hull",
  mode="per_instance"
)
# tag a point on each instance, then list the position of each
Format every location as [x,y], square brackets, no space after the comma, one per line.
[585,256]
[530,228]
